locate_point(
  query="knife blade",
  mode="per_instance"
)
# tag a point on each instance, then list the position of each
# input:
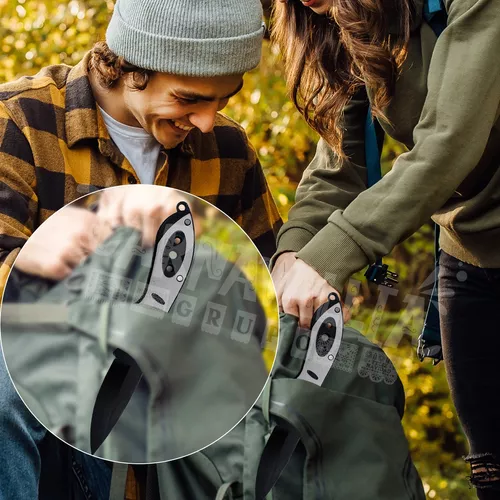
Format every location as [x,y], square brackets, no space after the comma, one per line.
[172,258]
[324,343]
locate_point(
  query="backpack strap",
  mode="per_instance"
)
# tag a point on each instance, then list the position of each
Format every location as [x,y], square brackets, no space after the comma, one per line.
[118,481]
[266,401]
[435,15]
[429,342]
[379,272]
[372,152]
[225,491]
[21,315]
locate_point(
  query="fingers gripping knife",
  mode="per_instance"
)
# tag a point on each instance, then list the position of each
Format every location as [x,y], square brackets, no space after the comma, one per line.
[324,344]
[172,259]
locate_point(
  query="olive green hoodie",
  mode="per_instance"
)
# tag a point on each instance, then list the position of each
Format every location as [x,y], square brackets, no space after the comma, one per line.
[446,111]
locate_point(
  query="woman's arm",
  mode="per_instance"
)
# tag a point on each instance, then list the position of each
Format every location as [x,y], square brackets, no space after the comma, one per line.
[460,110]
[328,184]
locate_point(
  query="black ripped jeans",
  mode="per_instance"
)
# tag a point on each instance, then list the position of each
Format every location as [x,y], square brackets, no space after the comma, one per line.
[469,303]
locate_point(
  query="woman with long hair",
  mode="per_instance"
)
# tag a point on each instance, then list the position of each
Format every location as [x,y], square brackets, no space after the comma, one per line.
[440,96]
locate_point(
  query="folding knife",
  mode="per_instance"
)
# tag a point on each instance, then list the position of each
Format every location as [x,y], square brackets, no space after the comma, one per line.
[172,259]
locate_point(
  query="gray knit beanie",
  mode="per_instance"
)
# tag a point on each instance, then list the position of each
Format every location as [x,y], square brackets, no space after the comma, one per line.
[188,37]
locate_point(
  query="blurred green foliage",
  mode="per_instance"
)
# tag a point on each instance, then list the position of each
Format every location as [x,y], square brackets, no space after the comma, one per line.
[230,241]
[34,34]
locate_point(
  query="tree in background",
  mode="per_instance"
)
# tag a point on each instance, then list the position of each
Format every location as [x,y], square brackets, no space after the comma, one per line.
[35,34]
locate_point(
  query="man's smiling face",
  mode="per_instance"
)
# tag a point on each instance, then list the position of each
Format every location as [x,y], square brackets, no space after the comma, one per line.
[171,106]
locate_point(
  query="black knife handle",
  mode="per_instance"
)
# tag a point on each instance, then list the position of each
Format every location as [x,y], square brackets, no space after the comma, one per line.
[170,258]
[332,300]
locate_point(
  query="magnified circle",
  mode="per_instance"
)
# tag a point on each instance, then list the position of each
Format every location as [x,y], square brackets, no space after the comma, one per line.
[143,353]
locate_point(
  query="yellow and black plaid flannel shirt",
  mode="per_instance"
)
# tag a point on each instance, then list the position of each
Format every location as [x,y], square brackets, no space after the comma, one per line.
[55,148]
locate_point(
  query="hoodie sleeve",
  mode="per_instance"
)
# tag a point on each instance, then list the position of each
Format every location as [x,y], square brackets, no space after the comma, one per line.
[328,183]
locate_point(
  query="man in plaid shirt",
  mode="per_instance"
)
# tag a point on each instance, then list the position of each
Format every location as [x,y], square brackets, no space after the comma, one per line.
[141,108]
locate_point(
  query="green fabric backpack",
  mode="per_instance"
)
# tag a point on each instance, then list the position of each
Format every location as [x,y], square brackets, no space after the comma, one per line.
[352,442]
[201,362]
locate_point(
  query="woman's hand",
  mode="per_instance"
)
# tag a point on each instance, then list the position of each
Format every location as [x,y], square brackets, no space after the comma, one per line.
[301,290]
[142,207]
[282,265]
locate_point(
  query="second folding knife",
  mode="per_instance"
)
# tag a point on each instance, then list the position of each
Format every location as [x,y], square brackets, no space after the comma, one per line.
[324,344]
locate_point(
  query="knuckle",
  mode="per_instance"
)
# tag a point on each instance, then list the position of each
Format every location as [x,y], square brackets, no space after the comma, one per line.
[55,269]
[81,240]
[135,213]
[287,302]
[305,302]
[156,209]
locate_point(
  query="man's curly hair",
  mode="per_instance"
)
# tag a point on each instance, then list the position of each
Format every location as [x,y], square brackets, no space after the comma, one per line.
[109,68]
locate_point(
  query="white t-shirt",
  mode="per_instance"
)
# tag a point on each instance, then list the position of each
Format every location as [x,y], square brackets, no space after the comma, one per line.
[141,149]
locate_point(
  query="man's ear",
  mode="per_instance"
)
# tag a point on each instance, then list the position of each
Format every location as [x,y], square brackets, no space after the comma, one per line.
[128,80]
[137,80]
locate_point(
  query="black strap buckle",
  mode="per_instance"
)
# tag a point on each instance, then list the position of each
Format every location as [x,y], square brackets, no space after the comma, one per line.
[427,350]
[380,274]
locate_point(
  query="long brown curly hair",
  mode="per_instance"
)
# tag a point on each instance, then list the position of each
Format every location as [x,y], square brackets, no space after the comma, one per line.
[110,68]
[328,58]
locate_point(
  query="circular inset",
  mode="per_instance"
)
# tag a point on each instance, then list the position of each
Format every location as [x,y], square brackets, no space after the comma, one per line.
[150,337]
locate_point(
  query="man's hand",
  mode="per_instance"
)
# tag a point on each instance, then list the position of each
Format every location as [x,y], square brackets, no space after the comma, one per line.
[142,207]
[301,290]
[61,243]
